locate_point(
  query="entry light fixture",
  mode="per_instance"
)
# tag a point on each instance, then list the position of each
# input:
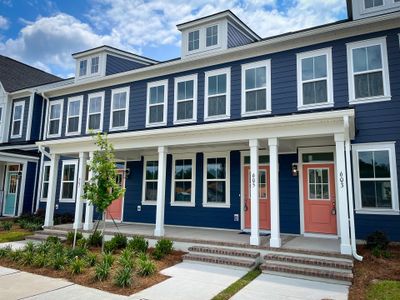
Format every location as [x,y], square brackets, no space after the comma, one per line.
[295,170]
[127,172]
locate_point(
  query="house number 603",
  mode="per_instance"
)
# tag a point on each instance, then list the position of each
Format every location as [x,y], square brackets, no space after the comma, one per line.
[253,180]
[341,179]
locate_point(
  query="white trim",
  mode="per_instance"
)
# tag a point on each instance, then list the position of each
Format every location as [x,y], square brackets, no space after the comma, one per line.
[90,96]
[45,164]
[327,52]
[218,44]
[51,103]
[144,180]
[227,179]
[127,99]
[321,235]
[257,64]
[21,120]
[177,80]
[192,202]
[65,163]
[382,146]
[164,84]
[88,73]
[123,173]
[78,132]
[381,41]
[22,188]
[227,94]
[6,190]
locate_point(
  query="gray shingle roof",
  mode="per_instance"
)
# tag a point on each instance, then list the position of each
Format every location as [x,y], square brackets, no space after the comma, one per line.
[15,75]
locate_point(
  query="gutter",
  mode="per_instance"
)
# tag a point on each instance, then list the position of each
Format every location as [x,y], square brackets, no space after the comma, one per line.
[44,152]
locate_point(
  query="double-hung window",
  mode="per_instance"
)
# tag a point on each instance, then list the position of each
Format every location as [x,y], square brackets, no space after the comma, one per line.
[119,109]
[74,112]
[45,181]
[68,180]
[83,68]
[95,112]
[256,88]
[94,65]
[212,36]
[369,4]
[375,176]
[216,180]
[150,178]
[55,118]
[17,119]
[157,95]
[314,79]
[368,71]
[185,104]
[183,181]
[217,94]
[194,40]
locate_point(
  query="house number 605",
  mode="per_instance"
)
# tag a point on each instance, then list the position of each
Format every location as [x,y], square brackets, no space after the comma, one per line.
[341,179]
[253,180]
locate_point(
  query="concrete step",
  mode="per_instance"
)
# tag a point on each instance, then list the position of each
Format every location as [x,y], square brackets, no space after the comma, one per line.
[225,252]
[228,261]
[308,272]
[310,261]
[42,237]
[53,232]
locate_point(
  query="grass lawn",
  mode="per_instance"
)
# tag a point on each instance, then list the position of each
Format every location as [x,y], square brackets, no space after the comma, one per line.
[385,289]
[238,285]
[12,236]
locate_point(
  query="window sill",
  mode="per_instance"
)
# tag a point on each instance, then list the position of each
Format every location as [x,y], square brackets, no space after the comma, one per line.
[216,118]
[90,131]
[377,211]
[256,113]
[370,100]
[153,203]
[315,106]
[179,122]
[43,199]
[16,136]
[72,133]
[67,200]
[210,205]
[118,128]
[151,125]
[187,204]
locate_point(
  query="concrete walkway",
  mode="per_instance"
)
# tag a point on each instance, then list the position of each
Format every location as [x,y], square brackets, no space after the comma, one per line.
[276,287]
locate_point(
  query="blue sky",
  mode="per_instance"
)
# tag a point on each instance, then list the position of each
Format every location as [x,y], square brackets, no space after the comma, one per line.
[45,33]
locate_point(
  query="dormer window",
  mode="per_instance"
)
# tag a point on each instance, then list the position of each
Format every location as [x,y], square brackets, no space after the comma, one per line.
[372,3]
[94,65]
[194,40]
[212,36]
[89,66]
[82,67]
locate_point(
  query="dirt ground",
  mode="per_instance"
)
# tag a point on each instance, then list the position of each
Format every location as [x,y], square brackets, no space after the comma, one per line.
[373,268]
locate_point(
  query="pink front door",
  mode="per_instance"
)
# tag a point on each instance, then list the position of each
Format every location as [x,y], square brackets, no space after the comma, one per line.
[319,198]
[114,211]
[265,216]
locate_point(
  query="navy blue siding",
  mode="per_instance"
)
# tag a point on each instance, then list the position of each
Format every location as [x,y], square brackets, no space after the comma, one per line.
[24,123]
[29,187]
[116,64]
[236,37]
[36,117]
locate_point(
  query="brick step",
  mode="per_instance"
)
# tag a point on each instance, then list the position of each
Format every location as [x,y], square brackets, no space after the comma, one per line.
[311,273]
[310,261]
[42,237]
[225,252]
[235,262]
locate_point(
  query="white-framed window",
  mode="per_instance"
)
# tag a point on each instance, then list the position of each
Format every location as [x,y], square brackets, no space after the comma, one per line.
[150,178]
[217,94]
[83,67]
[45,181]
[119,108]
[68,180]
[17,119]
[89,66]
[370,4]
[314,79]
[55,118]
[375,178]
[256,88]
[185,104]
[368,71]
[95,110]
[194,40]
[1,113]
[94,64]
[74,116]
[183,180]
[216,180]
[212,36]
[157,103]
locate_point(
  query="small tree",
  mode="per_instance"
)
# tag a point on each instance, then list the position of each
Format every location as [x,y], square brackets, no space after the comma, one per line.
[102,188]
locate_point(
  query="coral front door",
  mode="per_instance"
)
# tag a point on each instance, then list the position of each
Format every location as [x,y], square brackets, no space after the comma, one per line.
[114,211]
[264,203]
[319,198]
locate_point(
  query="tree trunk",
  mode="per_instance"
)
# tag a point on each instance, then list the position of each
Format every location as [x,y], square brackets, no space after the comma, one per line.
[102,233]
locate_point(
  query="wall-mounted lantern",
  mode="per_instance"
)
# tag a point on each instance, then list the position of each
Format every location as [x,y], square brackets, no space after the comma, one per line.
[295,170]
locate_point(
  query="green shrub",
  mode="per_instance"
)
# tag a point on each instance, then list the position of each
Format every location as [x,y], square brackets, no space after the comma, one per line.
[27,258]
[33,226]
[77,265]
[108,259]
[163,248]
[377,239]
[378,252]
[40,260]
[77,252]
[145,266]
[82,243]
[102,271]
[30,247]
[123,277]
[53,240]
[95,239]
[126,259]
[70,237]
[109,246]
[6,225]
[5,252]
[91,259]
[120,241]
[58,261]
[16,255]
[43,247]
[138,244]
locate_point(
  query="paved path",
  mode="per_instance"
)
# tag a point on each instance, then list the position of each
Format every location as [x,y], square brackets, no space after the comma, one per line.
[276,287]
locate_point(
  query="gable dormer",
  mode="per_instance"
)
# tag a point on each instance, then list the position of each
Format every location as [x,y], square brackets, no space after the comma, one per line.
[368,8]
[106,60]
[214,33]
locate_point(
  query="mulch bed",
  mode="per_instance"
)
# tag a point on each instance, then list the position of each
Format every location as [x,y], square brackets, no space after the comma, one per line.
[87,277]
[372,269]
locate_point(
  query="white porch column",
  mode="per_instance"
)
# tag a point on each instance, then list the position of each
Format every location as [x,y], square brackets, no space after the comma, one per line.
[254,197]
[275,240]
[88,225]
[51,195]
[81,183]
[162,168]
[341,197]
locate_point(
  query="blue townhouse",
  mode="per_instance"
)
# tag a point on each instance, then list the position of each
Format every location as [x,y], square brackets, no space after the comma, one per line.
[296,134]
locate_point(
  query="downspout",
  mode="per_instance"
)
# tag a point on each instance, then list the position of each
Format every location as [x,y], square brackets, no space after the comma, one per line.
[350,191]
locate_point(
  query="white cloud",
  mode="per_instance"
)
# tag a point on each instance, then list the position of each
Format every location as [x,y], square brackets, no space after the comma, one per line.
[3,22]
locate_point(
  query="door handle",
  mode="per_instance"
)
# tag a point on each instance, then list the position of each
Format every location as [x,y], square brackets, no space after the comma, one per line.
[245,205]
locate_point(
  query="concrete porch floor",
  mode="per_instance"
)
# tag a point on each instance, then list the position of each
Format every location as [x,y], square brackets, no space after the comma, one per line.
[221,237]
